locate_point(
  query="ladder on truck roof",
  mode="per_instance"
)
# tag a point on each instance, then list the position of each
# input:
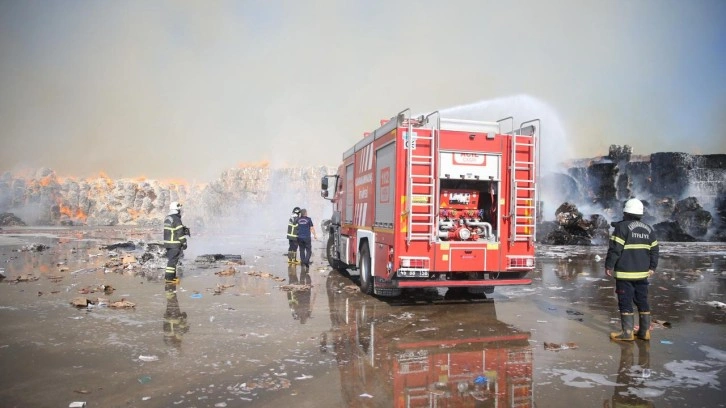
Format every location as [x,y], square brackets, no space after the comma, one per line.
[525,154]
[420,180]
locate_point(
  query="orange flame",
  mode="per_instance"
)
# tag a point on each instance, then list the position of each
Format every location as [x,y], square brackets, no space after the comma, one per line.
[260,164]
[76,214]
[134,213]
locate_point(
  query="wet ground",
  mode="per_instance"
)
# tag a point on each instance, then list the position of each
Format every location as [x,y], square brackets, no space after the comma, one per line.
[270,335]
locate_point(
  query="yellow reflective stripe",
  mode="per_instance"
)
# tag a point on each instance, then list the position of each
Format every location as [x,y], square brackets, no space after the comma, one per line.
[637,246]
[631,275]
[654,244]
[618,240]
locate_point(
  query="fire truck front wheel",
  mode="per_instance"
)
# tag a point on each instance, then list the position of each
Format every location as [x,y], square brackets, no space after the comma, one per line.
[364,266]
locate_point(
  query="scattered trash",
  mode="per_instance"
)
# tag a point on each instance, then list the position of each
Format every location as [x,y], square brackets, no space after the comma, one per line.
[82,391]
[226,272]
[77,404]
[196,295]
[33,248]
[145,398]
[145,379]
[366,395]
[716,304]
[597,258]
[558,347]
[666,342]
[25,278]
[220,288]
[123,304]
[81,302]
[541,321]
[123,245]
[481,380]
[656,324]
[148,358]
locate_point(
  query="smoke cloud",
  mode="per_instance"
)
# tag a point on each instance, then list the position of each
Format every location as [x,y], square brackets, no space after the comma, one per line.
[173,89]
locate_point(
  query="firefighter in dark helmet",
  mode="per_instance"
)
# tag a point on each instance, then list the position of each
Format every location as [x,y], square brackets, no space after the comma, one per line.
[175,241]
[632,257]
[292,236]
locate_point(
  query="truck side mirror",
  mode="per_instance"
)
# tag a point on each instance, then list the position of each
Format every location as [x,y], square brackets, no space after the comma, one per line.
[324,183]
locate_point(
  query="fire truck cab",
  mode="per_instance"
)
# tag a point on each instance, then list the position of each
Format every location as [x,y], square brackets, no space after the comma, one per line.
[436,202]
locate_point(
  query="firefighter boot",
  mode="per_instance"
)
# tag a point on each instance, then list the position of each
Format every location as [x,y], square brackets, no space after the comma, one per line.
[170,275]
[290,256]
[644,329]
[294,258]
[628,321]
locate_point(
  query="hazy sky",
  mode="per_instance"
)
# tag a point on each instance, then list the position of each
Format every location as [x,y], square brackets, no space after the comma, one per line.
[175,89]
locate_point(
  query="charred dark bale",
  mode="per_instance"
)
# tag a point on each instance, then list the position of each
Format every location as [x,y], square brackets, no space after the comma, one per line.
[671,231]
[689,214]
[618,153]
[640,178]
[601,177]
[544,229]
[562,236]
[669,172]
[720,219]
[567,214]
[10,220]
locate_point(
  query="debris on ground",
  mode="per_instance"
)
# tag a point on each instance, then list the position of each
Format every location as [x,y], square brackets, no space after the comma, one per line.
[122,304]
[25,278]
[80,302]
[559,346]
[266,275]
[220,288]
[107,289]
[148,358]
[295,287]
[212,258]
[128,245]
[716,304]
[226,272]
[33,248]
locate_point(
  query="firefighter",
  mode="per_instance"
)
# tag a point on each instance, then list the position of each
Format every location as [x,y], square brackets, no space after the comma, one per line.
[632,257]
[175,241]
[175,321]
[305,229]
[292,237]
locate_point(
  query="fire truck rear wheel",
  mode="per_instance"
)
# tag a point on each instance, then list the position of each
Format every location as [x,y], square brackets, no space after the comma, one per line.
[364,267]
[330,254]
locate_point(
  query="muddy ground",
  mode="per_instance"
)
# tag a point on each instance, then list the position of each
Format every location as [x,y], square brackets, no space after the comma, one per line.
[270,335]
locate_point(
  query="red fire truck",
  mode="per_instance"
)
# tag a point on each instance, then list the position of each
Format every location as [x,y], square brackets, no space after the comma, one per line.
[434,202]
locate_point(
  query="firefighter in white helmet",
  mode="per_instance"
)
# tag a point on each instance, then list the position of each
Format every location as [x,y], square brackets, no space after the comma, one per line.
[632,257]
[175,241]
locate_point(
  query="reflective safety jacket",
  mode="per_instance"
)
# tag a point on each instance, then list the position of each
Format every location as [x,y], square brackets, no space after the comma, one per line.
[633,250]
[174,232]
[292,227]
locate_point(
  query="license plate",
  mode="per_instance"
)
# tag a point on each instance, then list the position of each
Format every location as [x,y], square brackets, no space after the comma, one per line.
[413,274]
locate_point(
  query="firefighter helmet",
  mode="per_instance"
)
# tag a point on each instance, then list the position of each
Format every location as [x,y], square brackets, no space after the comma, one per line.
[633,206]
[175,206]
[296,210]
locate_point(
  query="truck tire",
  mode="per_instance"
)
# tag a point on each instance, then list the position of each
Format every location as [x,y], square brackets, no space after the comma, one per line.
[330,254]
[481,290]
[364,267]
